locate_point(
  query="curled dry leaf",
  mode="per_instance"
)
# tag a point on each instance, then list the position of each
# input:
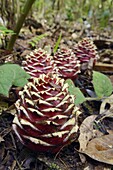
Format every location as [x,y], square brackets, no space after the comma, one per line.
[86,132]
[94,144]
[1,139]
[108,112]
[101,149]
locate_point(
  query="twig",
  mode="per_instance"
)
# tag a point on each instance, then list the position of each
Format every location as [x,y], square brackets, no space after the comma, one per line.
[18,163]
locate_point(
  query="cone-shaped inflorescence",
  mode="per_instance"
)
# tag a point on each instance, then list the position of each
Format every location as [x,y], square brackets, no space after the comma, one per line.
[38,62]
[66,64]
[85,50]
[46,119]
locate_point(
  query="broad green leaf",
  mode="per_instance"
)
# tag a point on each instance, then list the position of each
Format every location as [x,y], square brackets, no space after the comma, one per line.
[20,82]
[5,80]
[11,74]
[79,97]
[102,84]
[20,76]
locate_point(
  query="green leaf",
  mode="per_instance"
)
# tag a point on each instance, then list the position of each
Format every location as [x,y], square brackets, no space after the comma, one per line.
[11,74]
[102,84]
[36,39]
[20,76]
[57,43]
[20,82]
[79,97]
[6,31]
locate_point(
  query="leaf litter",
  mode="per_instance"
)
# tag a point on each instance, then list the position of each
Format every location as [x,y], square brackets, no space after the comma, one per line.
[95,143]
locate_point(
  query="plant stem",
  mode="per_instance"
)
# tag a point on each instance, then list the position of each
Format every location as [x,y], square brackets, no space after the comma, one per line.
[95,98]
[19,24]
[92,98]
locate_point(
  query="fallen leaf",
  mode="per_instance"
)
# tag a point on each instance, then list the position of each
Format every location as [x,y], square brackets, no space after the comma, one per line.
[1,139]
[103,108]
[100,166]
[101,149]
[86,132]
[13,165]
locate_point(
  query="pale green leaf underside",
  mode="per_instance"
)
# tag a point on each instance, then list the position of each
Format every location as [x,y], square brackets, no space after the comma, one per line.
[79,97]
[102,84]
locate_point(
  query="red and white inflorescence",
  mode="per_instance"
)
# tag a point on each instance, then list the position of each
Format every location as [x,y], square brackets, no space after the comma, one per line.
[46,119]
[46,113]
[85,50]
[38,62]
[66,64]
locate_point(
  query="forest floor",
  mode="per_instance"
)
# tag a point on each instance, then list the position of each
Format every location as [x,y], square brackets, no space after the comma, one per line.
[15,156]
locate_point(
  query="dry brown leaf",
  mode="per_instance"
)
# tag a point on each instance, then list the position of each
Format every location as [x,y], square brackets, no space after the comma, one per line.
[103,110]
[86,132]
[1,139]
[101,149]
[13,165]
[93,144]
[100,166]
